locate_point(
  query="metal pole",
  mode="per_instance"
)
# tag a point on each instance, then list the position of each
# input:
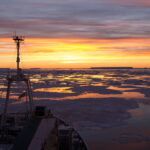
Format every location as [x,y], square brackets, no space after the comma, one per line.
[18,58]
[29,95]
[6,104]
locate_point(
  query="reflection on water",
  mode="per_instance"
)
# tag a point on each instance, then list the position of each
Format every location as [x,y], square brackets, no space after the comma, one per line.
[96,95]
[134,135]
[55,89]
[109,107]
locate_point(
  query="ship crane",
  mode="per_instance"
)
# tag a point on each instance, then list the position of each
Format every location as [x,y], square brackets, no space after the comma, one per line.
[18,77]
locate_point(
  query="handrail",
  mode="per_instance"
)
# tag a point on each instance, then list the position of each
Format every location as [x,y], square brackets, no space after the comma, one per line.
[75,130]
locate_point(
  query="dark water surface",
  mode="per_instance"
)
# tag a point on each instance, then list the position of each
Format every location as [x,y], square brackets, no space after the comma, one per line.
[110,108]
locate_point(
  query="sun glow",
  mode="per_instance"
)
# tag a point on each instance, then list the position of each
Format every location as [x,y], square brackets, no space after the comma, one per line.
[54,53]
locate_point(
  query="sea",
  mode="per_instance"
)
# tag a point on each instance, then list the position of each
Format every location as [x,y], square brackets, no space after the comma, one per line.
[109,107]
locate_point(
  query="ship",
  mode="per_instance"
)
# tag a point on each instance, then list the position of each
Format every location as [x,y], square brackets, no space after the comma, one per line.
[35,129]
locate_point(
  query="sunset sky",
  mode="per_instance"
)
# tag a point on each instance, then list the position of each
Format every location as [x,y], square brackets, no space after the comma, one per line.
[76,33]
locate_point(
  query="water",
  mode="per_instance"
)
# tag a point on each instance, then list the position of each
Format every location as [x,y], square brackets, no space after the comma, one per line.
[110,108]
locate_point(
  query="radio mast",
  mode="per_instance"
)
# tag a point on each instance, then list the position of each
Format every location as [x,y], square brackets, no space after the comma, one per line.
[19,77]
[18,40]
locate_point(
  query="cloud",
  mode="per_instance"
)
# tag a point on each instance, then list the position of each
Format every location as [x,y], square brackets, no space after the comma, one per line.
[95,29]
[132,3]
[74,19]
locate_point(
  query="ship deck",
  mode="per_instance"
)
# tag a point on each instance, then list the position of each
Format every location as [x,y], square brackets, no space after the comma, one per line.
[24,139]
[35,133]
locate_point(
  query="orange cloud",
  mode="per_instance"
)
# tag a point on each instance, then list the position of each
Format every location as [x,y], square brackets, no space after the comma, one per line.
[54,53]
[139,3]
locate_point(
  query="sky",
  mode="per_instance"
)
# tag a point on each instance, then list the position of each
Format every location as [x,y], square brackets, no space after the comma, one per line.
[75,33]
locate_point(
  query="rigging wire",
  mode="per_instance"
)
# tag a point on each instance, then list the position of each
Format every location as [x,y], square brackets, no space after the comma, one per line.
[27,102]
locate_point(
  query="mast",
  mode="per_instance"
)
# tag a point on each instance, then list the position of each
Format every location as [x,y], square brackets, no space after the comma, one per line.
[18,40]
[19,77]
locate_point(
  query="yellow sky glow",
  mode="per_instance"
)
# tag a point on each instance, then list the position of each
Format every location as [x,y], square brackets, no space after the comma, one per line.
[75,53]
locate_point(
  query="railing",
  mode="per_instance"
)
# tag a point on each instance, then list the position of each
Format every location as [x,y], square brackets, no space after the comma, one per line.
[84,144]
